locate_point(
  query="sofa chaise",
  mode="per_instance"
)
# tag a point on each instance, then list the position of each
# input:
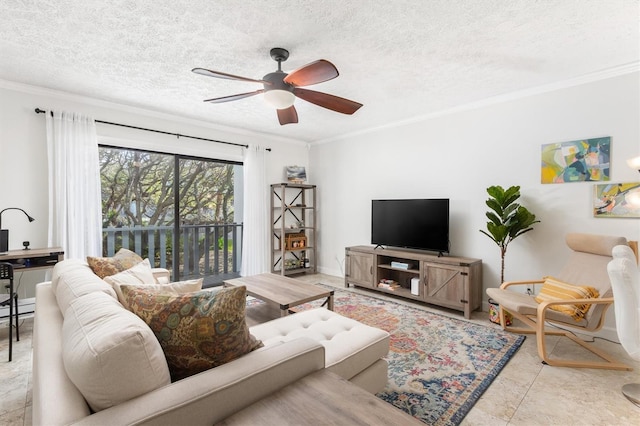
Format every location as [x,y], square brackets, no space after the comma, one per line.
[293,347]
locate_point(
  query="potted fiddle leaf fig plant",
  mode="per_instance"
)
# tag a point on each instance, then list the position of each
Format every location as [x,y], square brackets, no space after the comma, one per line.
[507,219]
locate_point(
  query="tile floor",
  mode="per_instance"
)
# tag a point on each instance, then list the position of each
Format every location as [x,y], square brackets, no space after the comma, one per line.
[526,392]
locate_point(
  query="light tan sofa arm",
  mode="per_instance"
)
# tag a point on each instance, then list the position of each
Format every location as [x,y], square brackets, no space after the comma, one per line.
[49,375]
[161,275]
[214,395]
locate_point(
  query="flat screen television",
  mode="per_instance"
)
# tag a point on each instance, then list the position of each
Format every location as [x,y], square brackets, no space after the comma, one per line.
[418,224]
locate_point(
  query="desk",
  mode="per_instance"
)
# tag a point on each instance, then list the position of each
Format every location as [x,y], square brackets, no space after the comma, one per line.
[33,259]
[30,260]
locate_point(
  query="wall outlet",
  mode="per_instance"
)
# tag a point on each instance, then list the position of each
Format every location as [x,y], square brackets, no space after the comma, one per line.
[529,291]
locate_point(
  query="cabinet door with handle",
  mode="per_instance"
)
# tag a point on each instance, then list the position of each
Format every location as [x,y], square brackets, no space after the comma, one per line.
[445,285]
[359,268]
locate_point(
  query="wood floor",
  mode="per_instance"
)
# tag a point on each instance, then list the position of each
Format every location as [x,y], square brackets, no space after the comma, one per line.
[526,392]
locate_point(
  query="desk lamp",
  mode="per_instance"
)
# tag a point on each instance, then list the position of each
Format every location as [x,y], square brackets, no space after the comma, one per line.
[4,233]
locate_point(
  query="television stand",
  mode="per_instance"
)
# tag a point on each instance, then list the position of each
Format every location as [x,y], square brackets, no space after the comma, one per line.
[447,281]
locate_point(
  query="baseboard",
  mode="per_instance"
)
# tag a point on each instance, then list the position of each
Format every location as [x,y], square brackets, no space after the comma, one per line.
[329,271]
[25,306]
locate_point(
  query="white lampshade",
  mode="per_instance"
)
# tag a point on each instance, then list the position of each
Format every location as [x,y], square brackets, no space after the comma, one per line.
[634,163]
[279,99]
[633,198]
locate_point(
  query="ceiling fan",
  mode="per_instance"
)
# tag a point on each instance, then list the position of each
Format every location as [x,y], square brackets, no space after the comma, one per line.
[280,89]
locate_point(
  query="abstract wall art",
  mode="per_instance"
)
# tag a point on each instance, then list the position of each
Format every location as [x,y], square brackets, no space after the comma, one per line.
[576,161]
[616,200]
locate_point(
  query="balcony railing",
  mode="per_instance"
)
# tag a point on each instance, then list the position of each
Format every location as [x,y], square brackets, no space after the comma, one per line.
[203,250]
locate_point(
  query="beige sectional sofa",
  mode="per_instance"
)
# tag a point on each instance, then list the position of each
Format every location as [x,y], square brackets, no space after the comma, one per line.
[128,377]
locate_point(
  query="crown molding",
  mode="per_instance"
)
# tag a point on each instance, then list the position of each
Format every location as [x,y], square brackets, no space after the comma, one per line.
[564,84]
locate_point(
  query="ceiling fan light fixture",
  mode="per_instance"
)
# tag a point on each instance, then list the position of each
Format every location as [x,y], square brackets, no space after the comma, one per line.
[279,99]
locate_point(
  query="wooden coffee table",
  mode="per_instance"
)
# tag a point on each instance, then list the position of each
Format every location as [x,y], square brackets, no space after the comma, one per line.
[281,291]
[321,398]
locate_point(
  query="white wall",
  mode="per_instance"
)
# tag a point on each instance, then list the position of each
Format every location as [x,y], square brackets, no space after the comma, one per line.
[23,152]
[459,155]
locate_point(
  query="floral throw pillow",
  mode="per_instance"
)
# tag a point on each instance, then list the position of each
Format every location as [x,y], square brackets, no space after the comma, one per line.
[197,331]
[106,266]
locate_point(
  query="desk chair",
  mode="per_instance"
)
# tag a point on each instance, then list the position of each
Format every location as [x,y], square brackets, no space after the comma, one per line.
[11,299]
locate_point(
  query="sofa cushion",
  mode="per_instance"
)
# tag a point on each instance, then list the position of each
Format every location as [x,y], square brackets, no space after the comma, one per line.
[350,346]
[72,278]
[197,331]
[109,353]
[121,261]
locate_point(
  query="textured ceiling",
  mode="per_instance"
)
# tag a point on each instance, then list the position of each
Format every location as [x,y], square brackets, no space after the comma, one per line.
[401,59]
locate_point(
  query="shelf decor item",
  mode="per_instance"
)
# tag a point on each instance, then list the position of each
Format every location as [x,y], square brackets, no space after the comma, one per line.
[295,241]
[507,219]
[296,174]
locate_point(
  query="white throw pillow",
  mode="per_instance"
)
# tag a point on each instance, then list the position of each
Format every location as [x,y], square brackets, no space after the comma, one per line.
[109,353]
[137,275]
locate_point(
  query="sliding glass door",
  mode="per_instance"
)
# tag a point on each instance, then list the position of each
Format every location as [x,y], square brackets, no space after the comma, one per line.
[178,211]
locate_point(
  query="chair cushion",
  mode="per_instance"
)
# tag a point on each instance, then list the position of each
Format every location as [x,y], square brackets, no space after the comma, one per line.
[109,353]
[526,305]
[197,331]
[601,245]
[121,261]
[555,290]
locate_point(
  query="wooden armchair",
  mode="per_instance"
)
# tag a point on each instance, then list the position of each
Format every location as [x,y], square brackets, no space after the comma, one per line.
[587,266]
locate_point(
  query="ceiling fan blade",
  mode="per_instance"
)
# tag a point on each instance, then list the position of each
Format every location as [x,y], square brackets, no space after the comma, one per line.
[288,115]
[313,73]
[334,103]
[218,74]
[233,97]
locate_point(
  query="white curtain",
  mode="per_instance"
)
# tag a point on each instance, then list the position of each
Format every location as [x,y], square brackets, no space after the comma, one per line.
[255,239]
[75,209]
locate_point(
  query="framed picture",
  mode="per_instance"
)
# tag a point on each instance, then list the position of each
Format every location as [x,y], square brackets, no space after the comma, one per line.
[616,200]
[296,174]
[576,161]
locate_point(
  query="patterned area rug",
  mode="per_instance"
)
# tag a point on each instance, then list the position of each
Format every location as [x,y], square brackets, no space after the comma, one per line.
[438,366]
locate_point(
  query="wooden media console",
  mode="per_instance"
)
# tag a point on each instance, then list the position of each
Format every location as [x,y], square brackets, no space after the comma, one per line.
[447,281]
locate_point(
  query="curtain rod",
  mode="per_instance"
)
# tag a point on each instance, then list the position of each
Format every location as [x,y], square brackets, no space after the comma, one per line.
[42,111]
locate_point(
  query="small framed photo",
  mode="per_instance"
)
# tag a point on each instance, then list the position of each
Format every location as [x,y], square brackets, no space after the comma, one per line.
[296,174]
[616,200]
